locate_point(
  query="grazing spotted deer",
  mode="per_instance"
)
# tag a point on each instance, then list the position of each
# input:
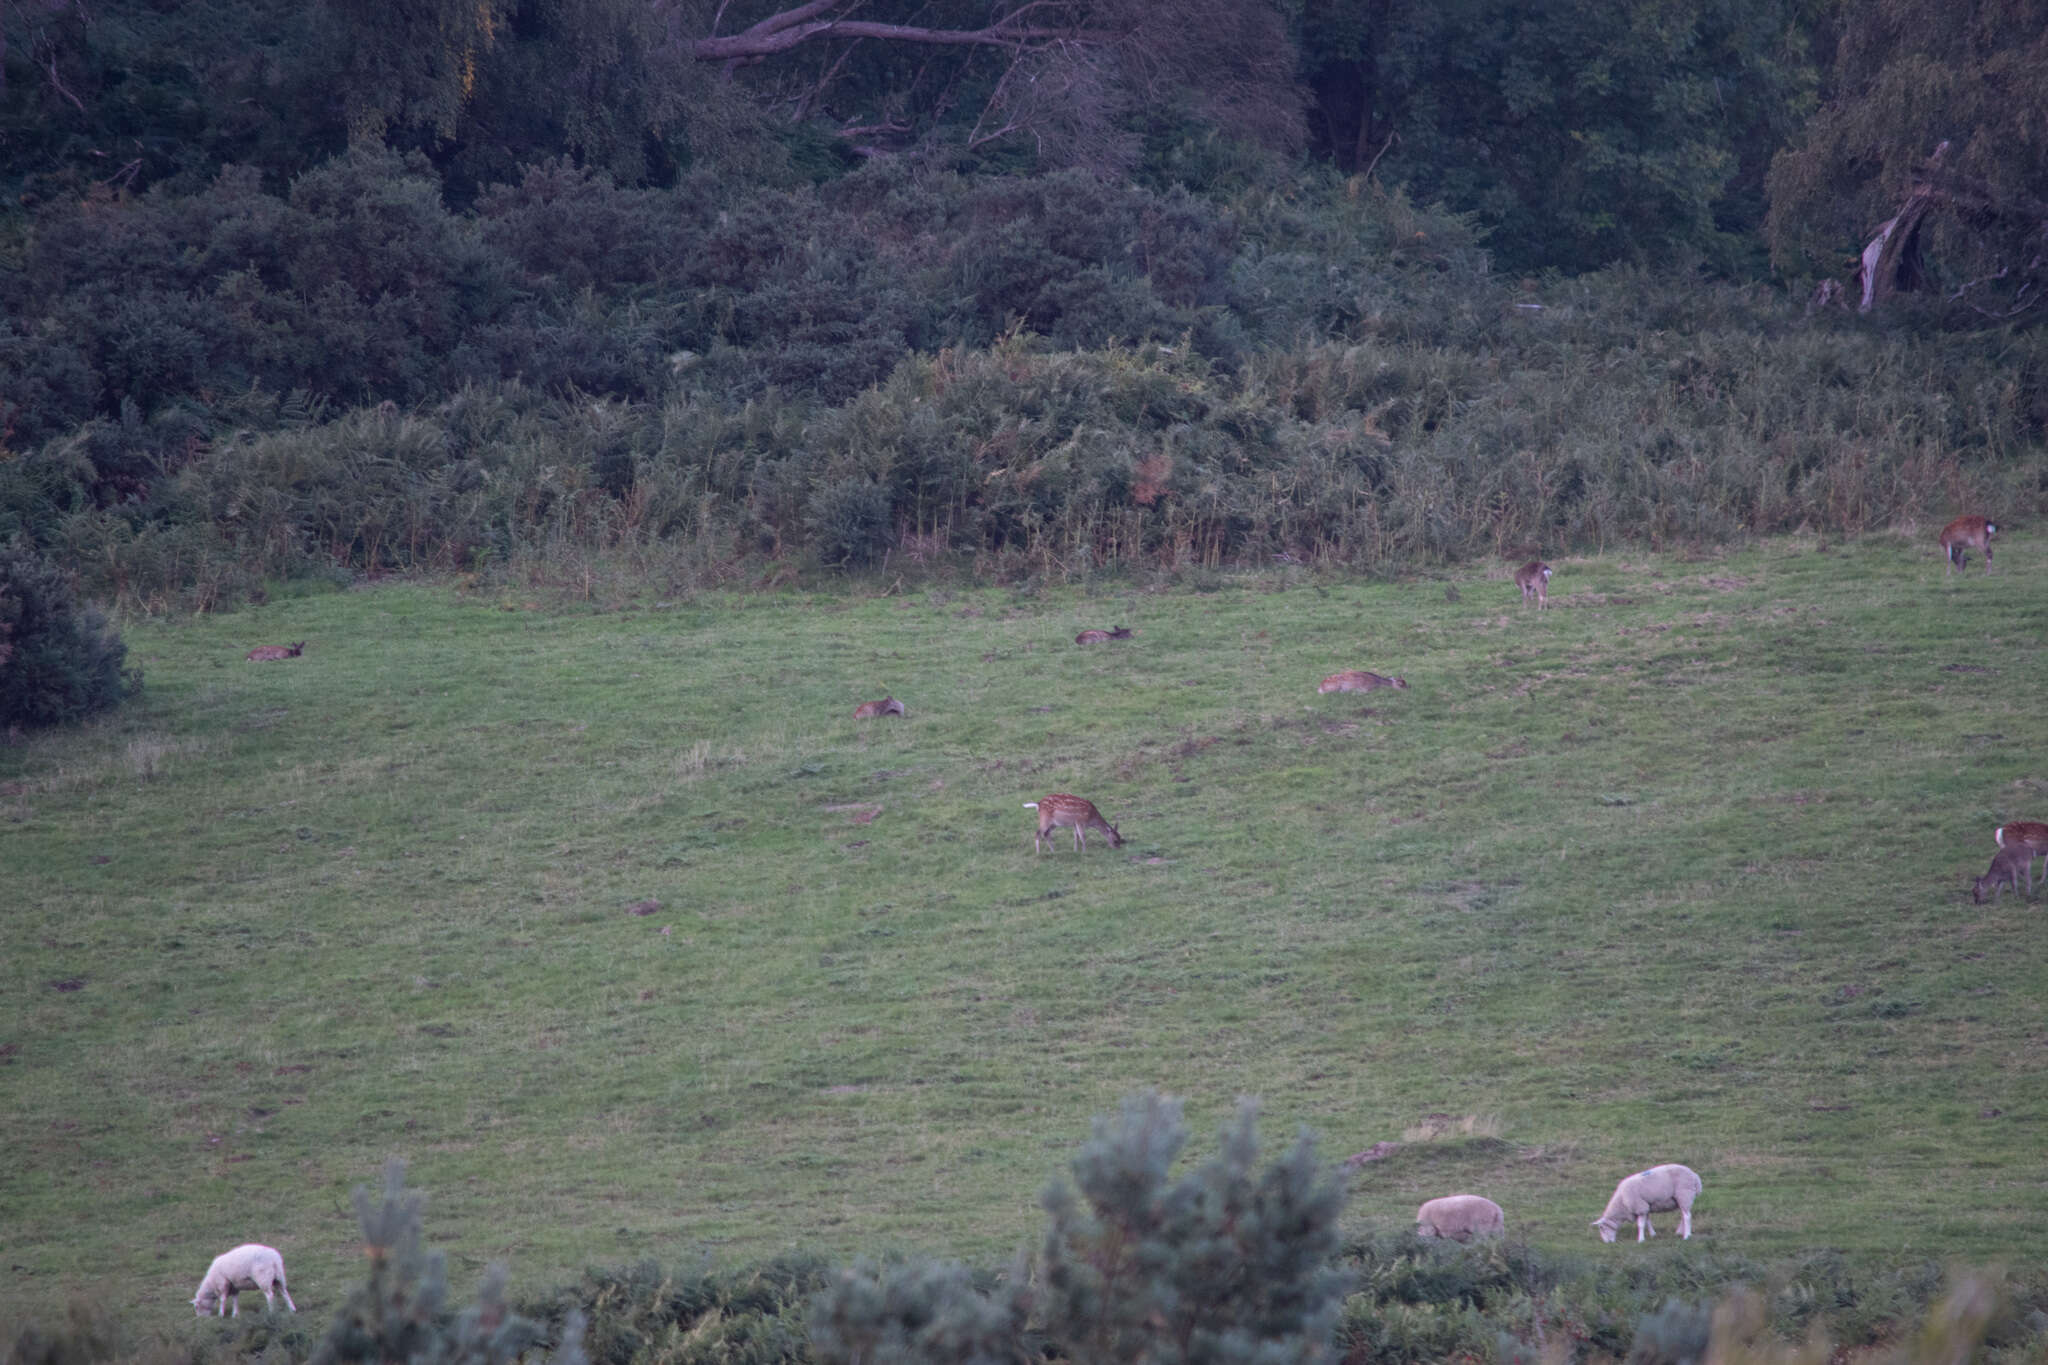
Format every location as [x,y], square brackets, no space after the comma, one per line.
[1072,812]
[2031,835]
[2007,867]
[1533,579]
[1357,680]
[1096,637]
[262,652]
[1965,534]
[887,706]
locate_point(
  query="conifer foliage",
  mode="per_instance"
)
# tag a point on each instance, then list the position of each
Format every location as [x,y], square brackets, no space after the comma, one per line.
[59,661]
[401,1311]
[1225,1263]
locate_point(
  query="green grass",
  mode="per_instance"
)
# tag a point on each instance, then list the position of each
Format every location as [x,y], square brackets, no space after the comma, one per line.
[1674,871]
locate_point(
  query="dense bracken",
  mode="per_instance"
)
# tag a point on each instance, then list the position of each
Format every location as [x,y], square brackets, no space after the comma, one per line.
[899,369]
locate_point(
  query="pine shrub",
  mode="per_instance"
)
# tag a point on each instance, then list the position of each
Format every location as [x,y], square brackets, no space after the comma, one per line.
[1226,1263]
[60,662]
[401,1312]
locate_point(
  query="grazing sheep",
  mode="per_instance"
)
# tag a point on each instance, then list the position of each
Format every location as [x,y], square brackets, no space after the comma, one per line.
[1460,1217]
[887,706]
[1657,1190]
[249,1266]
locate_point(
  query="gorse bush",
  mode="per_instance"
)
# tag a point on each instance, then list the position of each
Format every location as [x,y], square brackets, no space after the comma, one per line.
[60,662]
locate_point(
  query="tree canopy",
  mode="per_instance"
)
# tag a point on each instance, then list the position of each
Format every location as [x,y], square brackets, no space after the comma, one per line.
[1933,128]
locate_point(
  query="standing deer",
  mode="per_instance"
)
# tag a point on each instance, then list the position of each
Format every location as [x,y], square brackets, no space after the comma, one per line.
[262,652]
[887,706]
[1096,637]
[2007,867]
[1072,812]
[1356,680]
[2031,835]
[1533,579]
[1965,534]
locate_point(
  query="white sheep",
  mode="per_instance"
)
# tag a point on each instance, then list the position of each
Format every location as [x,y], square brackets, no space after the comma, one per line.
[249,1266]
[1460,1217]
[1657,1190]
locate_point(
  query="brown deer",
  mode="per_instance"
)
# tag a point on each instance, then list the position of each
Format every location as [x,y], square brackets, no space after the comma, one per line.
[262,652]
[1357,680]
[1096,637]
[2031,835]
[1965,534]
[1533,579]
[1072,812]
[2007,867]
[887,706]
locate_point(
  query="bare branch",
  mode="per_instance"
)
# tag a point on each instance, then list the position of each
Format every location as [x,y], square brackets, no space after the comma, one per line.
[57,84]
[793,27]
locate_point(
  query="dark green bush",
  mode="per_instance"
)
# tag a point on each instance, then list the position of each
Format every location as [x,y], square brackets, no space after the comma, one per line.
[59,662]
[401,1312]
[1676,1334]
[1225,1263]
[849,522]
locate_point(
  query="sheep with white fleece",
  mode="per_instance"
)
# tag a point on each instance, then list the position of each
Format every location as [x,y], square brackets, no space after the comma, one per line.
[1657,1190]
[249,1266]
[1460,1217]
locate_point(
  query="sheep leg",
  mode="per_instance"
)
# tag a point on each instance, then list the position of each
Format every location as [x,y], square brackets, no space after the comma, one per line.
[287,1296]
[1643,1227]
[1684,1223]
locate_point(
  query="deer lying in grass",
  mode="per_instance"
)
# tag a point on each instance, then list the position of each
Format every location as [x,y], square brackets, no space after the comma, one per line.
[262,652]
[1963,535]
[887,706]
[1096,637]
[1533,579]
[1357,680]
[1071,812]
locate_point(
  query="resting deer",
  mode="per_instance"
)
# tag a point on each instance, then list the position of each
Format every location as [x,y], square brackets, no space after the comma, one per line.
[1965,534]
[1533,579]
[1072,812]
[1357,680]
[2007,867]
[887,706]
[1096,637]
[277,651]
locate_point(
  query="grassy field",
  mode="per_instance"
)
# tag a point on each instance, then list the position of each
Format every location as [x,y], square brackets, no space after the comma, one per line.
[1676,870]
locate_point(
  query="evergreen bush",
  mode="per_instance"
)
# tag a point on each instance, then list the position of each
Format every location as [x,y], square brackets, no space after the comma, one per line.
[59,662]
[1225,1263]
[401,1312]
